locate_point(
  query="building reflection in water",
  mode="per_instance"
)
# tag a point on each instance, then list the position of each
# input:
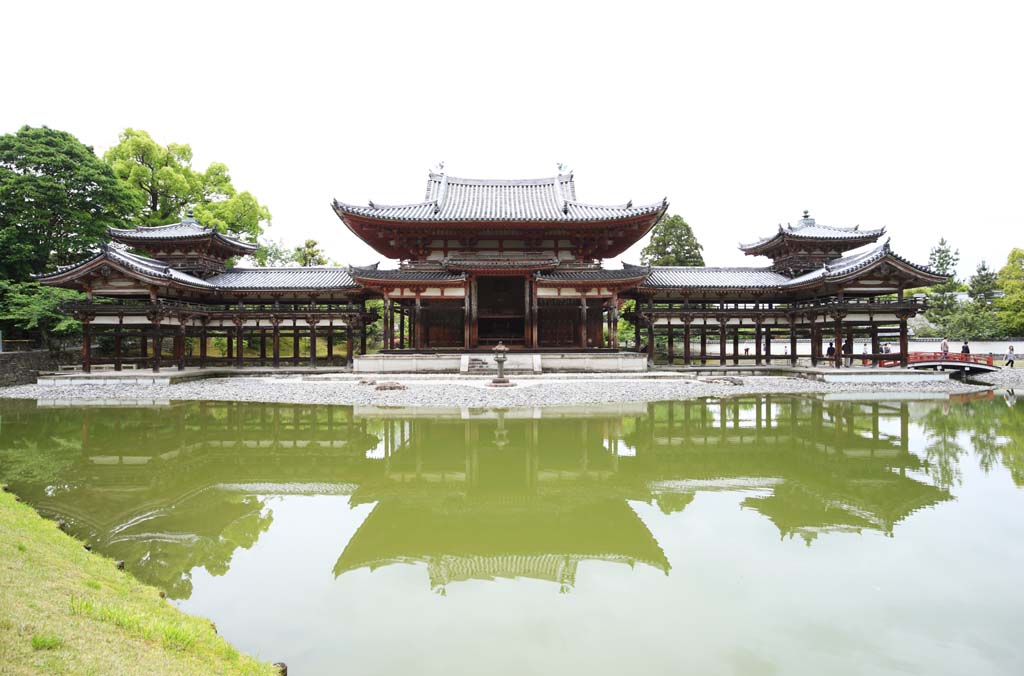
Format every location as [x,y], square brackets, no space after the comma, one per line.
[469,494]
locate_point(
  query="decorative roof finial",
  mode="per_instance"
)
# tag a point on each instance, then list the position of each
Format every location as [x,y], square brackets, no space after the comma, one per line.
[439,167]
[807,213]
[563,168]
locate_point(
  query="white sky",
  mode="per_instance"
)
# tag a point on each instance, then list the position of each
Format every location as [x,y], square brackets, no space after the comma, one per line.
[903,114]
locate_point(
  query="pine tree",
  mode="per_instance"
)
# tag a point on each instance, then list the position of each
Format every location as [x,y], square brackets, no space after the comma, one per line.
[942,297]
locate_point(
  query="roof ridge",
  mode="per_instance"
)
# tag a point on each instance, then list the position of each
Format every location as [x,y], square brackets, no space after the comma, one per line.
[546,180]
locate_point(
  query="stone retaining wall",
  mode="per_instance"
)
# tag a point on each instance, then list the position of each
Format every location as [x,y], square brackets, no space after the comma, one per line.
[22,368]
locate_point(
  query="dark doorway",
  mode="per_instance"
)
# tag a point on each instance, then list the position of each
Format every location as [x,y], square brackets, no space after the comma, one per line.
[502,310]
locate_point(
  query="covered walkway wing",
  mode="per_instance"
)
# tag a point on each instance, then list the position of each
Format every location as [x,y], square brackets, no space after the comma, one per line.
[139,333]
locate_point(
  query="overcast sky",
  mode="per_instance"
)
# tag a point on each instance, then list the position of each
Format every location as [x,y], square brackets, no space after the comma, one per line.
[902,114]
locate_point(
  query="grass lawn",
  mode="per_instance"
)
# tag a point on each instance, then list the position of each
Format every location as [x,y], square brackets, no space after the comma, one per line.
[64,610]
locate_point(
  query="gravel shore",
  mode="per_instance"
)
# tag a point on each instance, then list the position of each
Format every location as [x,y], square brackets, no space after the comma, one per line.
[473,393]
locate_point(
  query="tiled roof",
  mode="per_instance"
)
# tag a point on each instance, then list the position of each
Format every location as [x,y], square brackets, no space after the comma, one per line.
[717,278]
[145,266]
[499,262]
[632,272]
[840,267]
[187,229]
[807,228]
[765,278]
[407,275]
[284,278]
[450,199]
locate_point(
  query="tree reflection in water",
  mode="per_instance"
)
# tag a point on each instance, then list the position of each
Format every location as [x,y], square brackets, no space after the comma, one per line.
[486,494]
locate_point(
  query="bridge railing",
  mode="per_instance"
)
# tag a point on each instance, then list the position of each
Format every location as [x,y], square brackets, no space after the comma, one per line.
[950,357]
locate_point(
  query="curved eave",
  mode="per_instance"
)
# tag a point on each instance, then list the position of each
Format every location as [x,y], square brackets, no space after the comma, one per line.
[131,237]
[68,276]
[920,276]
[764,246]
[606,282]
[365,226]
[613,213]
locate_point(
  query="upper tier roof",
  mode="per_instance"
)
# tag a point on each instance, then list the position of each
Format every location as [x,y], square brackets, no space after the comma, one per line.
[187,230]
[449,199]
[807,229]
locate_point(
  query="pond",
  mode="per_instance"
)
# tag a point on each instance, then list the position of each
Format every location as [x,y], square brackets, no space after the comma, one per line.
[749,535]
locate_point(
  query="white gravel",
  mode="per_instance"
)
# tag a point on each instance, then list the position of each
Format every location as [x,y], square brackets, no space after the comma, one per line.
[456,392]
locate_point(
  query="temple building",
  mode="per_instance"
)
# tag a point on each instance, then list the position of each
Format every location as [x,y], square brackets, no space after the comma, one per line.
[482,262]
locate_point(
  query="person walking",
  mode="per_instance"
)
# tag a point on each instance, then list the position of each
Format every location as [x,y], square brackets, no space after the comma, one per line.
[965,348]
[848,351]
[944,347]
[1009,356]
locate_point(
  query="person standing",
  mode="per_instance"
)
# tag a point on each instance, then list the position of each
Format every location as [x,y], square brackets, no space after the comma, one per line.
[1009,356]
[848,351]
[944,347]
[965,348]
[831,351]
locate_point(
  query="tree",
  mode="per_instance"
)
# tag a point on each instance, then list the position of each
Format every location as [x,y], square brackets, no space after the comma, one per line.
[35,307]
[672,243]
[166,186]
[973,320]
[309,254]
[942,297]
[56,200]
[982,284]
[1011,283]
[273,254]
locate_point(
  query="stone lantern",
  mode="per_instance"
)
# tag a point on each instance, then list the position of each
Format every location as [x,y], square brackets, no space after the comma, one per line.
[500,357]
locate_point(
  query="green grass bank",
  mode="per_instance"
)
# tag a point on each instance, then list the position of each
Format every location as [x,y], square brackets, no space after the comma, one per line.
[64,610]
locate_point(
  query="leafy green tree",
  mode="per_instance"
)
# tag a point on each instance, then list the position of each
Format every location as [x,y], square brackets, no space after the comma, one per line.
[35,307]
[973,320]
[273,254]
[166,186]
[982,284]
[1011,283]
[56,200]
[310,254]
[672,243]
[942,297]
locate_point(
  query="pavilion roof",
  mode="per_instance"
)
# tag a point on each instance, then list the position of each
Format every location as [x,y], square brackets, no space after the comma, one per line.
[808,229]
[836,269]
[118,258]
[186,230]
[449,199]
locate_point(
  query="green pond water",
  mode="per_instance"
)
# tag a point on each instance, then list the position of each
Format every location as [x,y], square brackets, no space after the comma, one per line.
[752,535]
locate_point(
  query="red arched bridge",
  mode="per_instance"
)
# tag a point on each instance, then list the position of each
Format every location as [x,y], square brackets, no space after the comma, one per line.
[947,361]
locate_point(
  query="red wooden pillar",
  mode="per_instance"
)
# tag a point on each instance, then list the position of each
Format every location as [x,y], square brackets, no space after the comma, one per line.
[650,332]
[904,342]
[757,341]
[671,344]
[275,339]
[182,334]
[202,345]
[348,346]
[839,341]
[686,341]
[86,346]
[240,352]
[704,342]
[583,322]
[118,343]
[721,340]
[736,346]
[792,341]
[295,342]
[158,347]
